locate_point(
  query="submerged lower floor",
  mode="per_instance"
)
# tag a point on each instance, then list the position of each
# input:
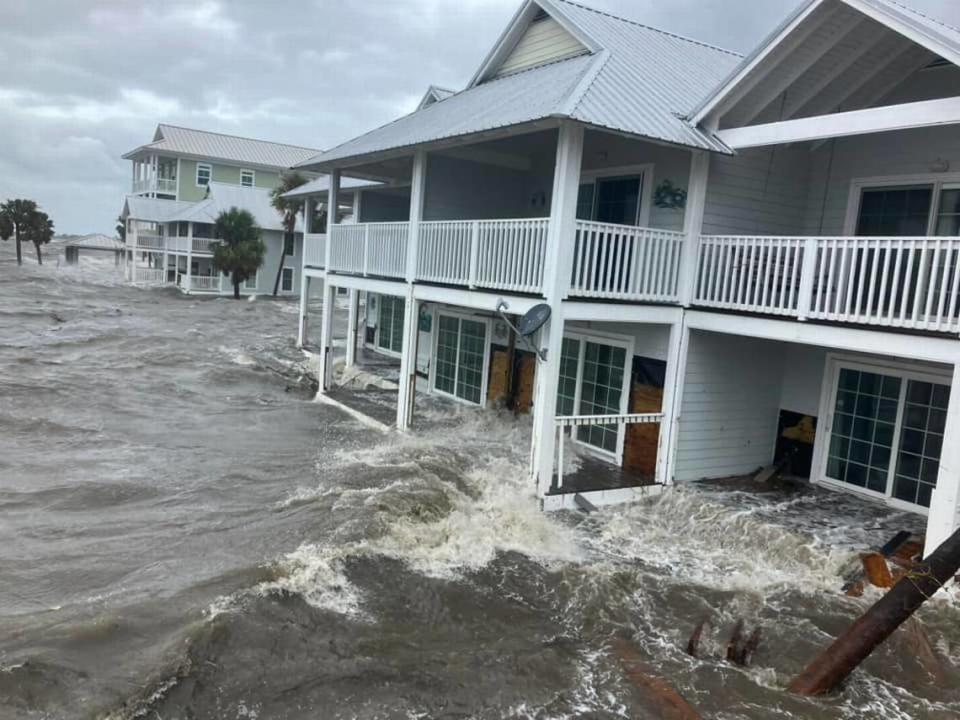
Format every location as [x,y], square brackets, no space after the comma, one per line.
[629,399]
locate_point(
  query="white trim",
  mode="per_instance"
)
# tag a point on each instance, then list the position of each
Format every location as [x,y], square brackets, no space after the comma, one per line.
[646,173]
[253,177]
[906,116]
[197,174]
[906,372]
[734,83]
[434,341]
[600,498]
[937,181]
[597,337]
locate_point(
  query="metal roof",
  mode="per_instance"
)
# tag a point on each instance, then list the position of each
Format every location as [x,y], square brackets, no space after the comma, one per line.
[228,148]
[221,197]
[321,185]
[434,94]
[641,81]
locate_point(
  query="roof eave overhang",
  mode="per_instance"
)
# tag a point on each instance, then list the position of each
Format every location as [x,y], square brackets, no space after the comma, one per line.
[146,149]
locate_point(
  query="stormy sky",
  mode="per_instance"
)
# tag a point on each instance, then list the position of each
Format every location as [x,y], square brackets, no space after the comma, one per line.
[84,81]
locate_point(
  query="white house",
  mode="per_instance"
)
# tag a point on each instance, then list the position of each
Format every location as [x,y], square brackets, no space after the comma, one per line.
[752,253]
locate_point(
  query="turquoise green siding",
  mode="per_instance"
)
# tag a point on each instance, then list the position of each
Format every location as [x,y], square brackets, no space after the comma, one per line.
[222,174]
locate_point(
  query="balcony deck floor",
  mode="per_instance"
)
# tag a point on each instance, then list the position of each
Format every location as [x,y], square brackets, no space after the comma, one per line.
[595,474]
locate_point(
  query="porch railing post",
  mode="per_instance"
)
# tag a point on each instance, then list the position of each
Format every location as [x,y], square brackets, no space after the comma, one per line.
[808,273]
[333,200]
[189,254]
[693,225]
[366,250]
[474,253]
[417,187]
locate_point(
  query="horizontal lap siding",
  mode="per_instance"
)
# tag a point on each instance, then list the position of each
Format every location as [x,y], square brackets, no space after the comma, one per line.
[838,163]
[730,406]
[758,192]
[545,41]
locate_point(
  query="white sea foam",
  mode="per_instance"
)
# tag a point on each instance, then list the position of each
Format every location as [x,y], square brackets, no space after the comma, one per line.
[316,573]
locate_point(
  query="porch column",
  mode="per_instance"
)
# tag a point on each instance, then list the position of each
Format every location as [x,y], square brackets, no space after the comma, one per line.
[408,361]
[417,185]
[693,224]
[325,376]
[352,319]
[304,295]
[672,401]
[944,517]
[333,201]
[556,283]
[189,253]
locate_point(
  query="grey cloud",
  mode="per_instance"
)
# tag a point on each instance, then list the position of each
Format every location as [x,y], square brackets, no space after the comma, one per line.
[82,82]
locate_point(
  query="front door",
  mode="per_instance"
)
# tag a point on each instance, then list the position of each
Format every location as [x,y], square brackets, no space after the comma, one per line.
[886,433]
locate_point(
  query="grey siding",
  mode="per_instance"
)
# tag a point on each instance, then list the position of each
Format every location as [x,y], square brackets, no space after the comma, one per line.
[758,192]
[545,41]
[731,404]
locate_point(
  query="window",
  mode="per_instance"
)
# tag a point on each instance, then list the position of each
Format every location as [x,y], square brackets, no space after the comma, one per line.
[204,173]
[615,200]
[887,433]
[895,211]
[288,244]
[252,282]
[390,324]
[286,280]
[247,178]
[461,357]
[593,372]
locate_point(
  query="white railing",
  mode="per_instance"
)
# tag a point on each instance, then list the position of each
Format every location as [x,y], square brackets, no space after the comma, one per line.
[202,283]
[204,245]
[314,250]
[495,254]
[510,254]
[902,282]
[165,186]
[754,274]
[149,276]
[623,262]
[446,252]
[150,242]
[561,423]
[370,249]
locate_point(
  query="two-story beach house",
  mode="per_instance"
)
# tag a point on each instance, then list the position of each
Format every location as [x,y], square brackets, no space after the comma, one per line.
[181,181]
[749,260]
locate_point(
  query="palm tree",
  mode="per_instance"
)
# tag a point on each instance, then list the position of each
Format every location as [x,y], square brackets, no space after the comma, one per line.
[39,232]
[15,217]
[289,209]
[240,252]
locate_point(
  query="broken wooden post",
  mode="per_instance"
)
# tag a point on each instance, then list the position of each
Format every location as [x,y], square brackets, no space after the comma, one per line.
[835,664]
[693,645]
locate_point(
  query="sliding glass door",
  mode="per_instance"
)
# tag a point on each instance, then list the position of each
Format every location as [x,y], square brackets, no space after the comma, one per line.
[461,353]
[886,432]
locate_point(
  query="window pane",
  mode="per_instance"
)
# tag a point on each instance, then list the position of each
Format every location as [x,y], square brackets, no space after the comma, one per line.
[865,412]
[569,361]
[618,200]
[585,202]
[895,211]
[601,393]
[921,441]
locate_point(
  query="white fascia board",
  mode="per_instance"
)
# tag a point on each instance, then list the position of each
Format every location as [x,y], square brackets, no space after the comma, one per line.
[474,299]
[927,113]
[356,282]
[872,342]
[753,62]
[946,51]
[621,313]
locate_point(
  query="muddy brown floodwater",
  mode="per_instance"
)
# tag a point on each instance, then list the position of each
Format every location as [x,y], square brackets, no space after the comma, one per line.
[185,533]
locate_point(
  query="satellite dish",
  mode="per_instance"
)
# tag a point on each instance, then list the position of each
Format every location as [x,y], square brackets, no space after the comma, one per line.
[534,319]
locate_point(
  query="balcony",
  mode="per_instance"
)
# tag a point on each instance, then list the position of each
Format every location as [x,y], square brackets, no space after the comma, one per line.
[893,282]
[180,245]
[161,186]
